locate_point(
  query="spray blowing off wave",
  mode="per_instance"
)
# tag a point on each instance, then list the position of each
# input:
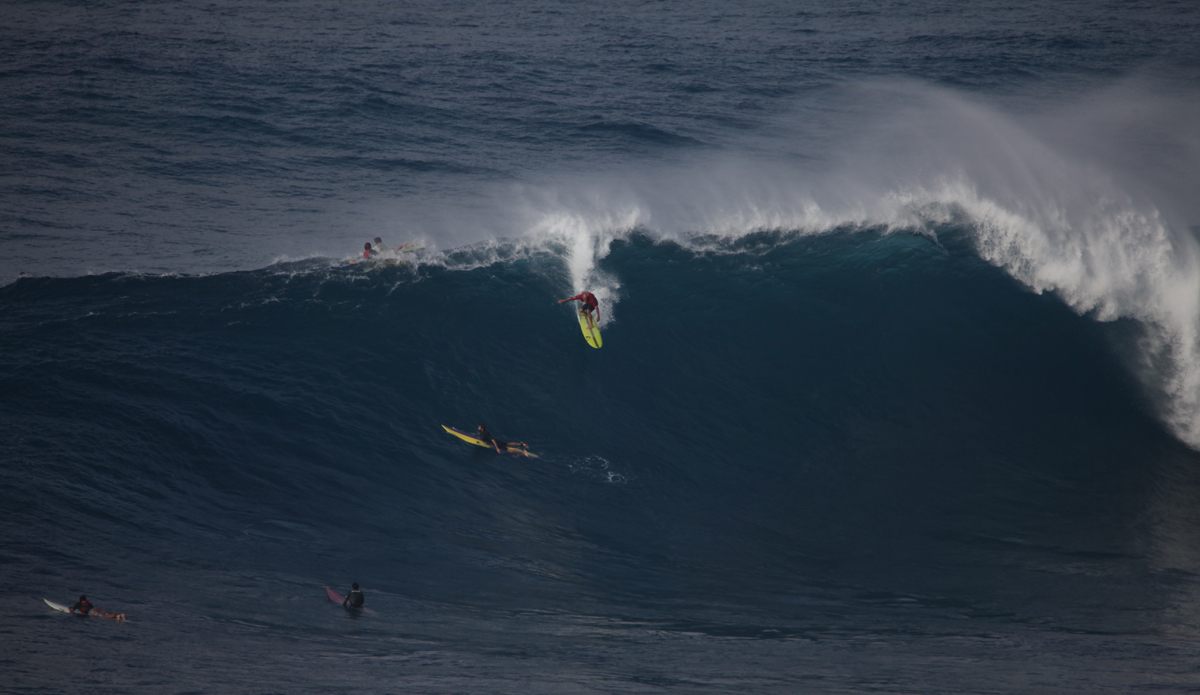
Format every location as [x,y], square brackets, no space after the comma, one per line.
[1054,219]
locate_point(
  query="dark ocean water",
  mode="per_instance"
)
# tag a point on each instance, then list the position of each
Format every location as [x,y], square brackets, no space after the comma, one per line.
[900,389]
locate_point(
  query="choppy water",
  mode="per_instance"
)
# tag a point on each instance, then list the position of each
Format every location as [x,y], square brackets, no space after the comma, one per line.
[899,390]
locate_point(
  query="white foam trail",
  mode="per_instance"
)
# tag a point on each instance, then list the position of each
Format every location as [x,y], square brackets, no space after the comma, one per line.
[585,228]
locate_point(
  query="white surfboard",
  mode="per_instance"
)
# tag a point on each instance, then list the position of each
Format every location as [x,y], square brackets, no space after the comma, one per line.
[57,606]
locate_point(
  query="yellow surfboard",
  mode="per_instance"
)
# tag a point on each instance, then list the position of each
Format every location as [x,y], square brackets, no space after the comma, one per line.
[591,332]
[376,261]
[479,442]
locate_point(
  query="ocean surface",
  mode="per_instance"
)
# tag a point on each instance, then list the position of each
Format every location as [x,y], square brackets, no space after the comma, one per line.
[899,391]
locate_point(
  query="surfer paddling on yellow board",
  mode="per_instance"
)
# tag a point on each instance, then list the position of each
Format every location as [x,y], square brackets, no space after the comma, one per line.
[502,447]
[589,303]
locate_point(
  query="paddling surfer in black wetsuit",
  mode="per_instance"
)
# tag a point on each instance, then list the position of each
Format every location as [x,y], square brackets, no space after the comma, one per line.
[355,598]
[502,447]
[83,605]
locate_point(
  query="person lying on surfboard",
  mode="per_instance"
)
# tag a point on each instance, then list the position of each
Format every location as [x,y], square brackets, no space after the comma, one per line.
[380,248]
[355,598]
[369,252]
[502,447]
[86,608]
[589,303]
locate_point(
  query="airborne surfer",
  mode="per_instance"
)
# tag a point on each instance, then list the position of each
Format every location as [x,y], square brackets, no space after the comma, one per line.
[589,303]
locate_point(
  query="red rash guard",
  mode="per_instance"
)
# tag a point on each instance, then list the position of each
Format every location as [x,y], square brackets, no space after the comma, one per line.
[587,298]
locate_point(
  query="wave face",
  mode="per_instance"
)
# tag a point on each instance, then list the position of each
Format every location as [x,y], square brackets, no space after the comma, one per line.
[822,439]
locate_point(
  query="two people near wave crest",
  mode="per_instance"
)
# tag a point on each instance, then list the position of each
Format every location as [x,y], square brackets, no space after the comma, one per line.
[85,607]
[354,599]
[589,304]
[378,249]
[502,447]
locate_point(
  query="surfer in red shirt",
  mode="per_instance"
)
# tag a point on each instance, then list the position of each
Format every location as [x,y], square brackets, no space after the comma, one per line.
[85,607]
[589,303]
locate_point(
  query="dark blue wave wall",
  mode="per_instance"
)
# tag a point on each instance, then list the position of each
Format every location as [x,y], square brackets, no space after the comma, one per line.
[853,412]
